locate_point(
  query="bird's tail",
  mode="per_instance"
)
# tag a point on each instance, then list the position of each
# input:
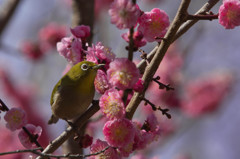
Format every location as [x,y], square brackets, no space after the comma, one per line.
[53,120]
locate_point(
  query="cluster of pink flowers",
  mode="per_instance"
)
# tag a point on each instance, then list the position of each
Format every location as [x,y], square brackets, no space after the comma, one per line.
[72,47]
[118,75]
[100,54]
[205,95]
[51,34]
[31,50]
[16,119]
[229,14]
[48,36]
[152,25]
[145,136]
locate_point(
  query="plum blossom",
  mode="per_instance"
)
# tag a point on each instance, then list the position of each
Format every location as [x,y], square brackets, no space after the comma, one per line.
[81,31]
[51,34]
[32,50]
[16,118]
[111,104]
[126,150]
[24,138]
[71,49]
[153,24]
[119,132]
[205,94]
[100,145]
[146,134]
[101,82]
[229,14]
[138,39]
[123,73]
[100,54]
[124,14]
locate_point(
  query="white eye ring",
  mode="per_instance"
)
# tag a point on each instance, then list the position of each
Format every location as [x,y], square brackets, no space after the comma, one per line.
[84,67]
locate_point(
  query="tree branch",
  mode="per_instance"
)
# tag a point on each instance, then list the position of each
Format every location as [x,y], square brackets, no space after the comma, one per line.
[161,51]
[83,13]
[187,25]
[184,28]
[70,130]
[35,151]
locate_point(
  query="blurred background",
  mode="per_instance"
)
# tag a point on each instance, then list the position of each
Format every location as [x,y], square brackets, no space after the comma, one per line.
[202,66]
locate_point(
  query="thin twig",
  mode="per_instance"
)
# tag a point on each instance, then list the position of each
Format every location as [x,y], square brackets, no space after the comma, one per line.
[20,151]
[202,17]
[3,106]
[161,85]
[34,151]
[33,139]
[187,25]
[154,108]
[144,56]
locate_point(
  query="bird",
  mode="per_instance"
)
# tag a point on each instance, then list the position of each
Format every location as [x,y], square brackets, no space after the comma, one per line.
[74,92]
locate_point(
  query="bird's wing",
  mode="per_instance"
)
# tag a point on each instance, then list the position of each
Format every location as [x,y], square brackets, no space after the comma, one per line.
[64,82]
[55,89]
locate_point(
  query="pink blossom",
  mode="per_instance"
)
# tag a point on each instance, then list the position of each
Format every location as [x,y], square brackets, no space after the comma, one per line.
[31,50]
[138,87]
[100,54]
[90,55]
[23,95]
[9,142]
[119,132]
[52,33]
[15,118]
[229,14]
[205,94]
[124,13]
[111,104]
[141,139]
[123,73]
[152,122]
[153,24]
[148,133]
[25,139]
[101,82]
[81,31]
[110,153]
[85,141]
[71,49]
[125,151]
[138,39]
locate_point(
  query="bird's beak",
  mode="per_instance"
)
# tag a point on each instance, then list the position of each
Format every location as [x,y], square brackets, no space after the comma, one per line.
[98,66]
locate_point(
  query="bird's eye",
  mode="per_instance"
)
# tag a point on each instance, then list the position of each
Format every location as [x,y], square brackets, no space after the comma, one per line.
[84,67]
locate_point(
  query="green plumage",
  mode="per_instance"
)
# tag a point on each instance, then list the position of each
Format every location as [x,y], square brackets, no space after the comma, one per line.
[74,92]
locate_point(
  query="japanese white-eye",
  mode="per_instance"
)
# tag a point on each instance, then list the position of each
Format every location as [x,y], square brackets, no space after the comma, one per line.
[74,92]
